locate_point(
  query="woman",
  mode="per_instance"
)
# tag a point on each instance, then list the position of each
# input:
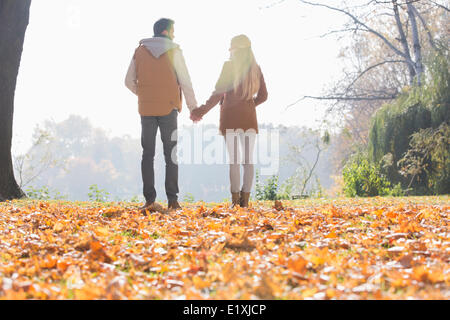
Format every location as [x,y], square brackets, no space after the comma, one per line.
[239,90]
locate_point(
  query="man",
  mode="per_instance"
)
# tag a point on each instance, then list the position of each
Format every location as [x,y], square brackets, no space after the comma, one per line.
[157,75]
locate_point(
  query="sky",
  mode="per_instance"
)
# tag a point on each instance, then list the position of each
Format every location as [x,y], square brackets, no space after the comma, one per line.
[77,52]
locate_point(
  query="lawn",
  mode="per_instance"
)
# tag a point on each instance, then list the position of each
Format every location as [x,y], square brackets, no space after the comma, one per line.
[368,248]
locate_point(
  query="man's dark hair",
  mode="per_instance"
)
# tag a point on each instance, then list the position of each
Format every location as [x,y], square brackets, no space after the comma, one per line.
[161,25]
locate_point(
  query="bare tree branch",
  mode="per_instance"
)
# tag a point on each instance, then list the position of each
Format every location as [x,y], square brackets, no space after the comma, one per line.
[319,151]
[19,167]
[425,26]
[339,31]
[346,98]
[440,5]
[370,68]
[362,98]
[357,21]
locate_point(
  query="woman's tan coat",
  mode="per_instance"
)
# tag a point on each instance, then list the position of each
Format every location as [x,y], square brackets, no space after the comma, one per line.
[235,112]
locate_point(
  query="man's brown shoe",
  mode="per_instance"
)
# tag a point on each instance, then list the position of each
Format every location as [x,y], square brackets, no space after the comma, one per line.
[151,207]
[146,205]
[173,205]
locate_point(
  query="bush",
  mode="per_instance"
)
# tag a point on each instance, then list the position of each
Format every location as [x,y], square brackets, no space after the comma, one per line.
[97,195]
[289,189]
[429,156]
[364,179]
[189,197]
[416,109]
[136,199]
[269,190]
[397,191]
[44,193]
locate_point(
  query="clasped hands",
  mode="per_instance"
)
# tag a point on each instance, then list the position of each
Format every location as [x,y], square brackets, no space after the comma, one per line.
[196,115]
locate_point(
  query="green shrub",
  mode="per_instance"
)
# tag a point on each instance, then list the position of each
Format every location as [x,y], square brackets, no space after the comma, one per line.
[136,199]
[269,190]
[396,123]
[397,191]
[287,189]
[189,197]
[97,195]
[44,193]
[429,157]
[363,179]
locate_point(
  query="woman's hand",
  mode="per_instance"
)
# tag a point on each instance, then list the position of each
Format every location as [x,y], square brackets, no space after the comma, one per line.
[196,115]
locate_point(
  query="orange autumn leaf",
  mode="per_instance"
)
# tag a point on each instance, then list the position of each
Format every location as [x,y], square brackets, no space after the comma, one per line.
[58,227]
[199,283]
[95,245]
[228,272]
[62,265]
[101,231]
[214,226]
[297,264]
[309,292]
[48,262]
[331,235]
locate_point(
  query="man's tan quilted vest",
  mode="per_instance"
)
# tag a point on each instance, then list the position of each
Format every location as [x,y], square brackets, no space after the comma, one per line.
[157,86]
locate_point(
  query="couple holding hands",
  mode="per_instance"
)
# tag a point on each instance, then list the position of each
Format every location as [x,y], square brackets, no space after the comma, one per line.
[158,75]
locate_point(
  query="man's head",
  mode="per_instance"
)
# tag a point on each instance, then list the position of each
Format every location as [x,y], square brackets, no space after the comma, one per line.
[164,27]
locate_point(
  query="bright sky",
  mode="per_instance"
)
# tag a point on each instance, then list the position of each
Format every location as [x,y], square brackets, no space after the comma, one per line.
[77,52]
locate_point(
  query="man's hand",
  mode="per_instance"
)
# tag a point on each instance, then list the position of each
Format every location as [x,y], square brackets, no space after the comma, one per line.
[196,115]
[194,118]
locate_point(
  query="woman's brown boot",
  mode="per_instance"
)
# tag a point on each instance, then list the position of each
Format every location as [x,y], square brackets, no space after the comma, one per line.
[235,199]
[245,196]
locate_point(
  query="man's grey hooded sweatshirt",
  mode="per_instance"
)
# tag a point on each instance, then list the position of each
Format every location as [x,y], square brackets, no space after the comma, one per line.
[157,46]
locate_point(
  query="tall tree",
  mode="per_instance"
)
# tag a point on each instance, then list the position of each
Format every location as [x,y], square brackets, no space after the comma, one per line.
[377,18]
[387,45]
[14,16]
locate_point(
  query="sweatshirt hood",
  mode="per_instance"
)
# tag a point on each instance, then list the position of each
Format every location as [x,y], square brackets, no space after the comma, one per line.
[158,46]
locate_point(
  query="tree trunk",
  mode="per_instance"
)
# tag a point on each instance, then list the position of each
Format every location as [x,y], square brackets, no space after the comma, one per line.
[14,16]
[416,44]
[404,42]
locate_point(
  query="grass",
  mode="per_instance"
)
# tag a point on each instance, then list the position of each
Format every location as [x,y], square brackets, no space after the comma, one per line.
[311,202]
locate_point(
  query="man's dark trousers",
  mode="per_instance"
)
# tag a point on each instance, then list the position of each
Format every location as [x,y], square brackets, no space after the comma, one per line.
[167,126]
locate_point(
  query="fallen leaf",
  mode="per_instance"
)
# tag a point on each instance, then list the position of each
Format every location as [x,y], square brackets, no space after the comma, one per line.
[297,264]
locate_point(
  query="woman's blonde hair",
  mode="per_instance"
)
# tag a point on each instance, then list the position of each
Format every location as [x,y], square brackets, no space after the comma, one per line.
[246,72]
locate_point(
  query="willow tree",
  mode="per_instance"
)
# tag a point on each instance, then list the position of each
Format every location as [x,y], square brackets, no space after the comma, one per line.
[14,16]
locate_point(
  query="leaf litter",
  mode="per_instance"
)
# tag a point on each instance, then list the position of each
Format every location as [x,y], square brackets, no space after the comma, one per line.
[377,248]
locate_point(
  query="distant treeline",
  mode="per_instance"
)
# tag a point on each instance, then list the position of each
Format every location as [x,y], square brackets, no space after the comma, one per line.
[69,157]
